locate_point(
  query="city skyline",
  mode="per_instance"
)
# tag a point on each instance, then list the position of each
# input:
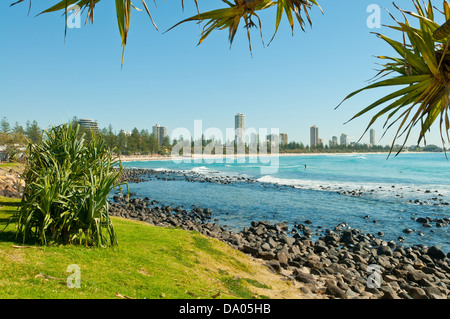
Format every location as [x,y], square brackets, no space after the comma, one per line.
[167,97]
[240,133]
[369,137]
[250,138]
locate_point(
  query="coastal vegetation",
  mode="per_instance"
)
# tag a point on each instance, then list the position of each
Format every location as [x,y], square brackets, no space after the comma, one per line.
[422,68]
[67,182]
[151,262]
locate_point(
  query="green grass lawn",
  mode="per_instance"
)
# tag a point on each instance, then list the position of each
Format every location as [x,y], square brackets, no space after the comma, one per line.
[149,262]
[7,165]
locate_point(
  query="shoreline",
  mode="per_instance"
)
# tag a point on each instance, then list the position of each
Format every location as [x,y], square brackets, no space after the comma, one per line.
[145,158]
[336,265]
[427,222]
[341,262]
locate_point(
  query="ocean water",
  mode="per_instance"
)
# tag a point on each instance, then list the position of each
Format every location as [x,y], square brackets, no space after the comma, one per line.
[292,193]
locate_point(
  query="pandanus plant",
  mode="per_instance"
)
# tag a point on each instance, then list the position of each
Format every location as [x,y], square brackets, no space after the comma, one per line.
[68,181]
[422,69]
[220,19]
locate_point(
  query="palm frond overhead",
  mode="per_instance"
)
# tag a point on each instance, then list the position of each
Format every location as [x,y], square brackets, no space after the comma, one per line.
[219,19]
[296,7]
[123,12]
[230,17]
[421,69]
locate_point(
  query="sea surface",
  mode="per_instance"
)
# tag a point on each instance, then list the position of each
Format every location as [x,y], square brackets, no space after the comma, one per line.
[388,193]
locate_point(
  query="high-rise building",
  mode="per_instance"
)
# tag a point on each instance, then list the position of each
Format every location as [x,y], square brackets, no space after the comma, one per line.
[239,128]
[344,139]
[372,137]
[314,136]
[273,139]
[254,140]
[283,138]
[160,133]
[88,124]
[334,141]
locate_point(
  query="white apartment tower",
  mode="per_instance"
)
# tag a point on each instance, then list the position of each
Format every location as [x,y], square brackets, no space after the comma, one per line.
[283,138]
[89,124]
[372,137]
[344,139]
[314,136]
[160,132]
[239,128]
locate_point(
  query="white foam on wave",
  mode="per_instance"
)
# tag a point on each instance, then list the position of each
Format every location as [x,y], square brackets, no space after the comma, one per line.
[201,169]
[312,184]
[381,190]
[209,172]
[384,190]
[162,169]
[291,166]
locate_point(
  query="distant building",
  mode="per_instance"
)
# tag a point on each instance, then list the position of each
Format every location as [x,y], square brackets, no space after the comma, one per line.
[239,128]
[254,140]
[283,138]
[160,133]
[314,136]
[372,137]
[333,142]
[88,124]
[344,139]
[321,142]
[273,139]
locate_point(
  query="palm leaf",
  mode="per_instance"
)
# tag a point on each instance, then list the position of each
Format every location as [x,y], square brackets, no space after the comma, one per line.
[219,19]
[423,65]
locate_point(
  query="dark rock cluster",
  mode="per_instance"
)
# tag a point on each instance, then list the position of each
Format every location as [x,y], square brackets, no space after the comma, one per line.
[342,263]
[136,175]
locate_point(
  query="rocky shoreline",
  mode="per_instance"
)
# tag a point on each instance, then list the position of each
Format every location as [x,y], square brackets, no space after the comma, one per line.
[342,263]
[136,175]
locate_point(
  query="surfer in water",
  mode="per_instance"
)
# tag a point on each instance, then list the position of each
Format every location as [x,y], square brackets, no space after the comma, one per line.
[305,166]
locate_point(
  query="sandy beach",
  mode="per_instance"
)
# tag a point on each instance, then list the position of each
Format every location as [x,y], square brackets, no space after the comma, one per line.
[144,158]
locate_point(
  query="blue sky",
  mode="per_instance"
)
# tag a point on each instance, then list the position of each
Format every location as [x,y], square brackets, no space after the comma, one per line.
[294,83]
